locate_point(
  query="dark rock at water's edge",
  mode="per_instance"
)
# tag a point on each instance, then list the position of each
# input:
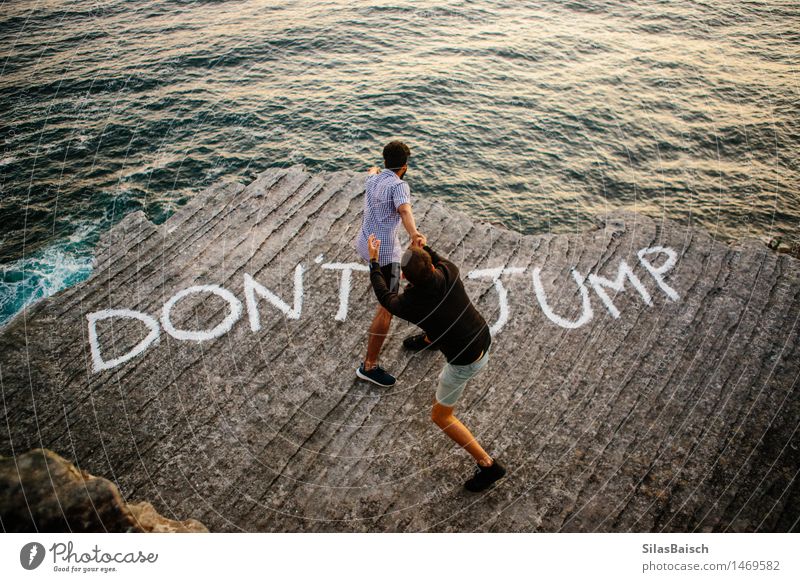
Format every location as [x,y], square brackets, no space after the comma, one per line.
[777,245]
[669,406]
[43,492]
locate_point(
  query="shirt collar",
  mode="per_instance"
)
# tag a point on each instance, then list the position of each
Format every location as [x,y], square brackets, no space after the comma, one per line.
[392,172]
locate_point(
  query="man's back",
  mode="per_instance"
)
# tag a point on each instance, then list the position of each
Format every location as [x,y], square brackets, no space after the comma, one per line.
[442,308]
[383,195]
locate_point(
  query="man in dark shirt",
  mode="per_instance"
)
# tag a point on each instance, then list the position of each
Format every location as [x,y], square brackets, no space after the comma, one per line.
[436,301]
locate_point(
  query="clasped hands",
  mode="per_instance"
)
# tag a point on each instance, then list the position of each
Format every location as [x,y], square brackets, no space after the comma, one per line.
[418,240]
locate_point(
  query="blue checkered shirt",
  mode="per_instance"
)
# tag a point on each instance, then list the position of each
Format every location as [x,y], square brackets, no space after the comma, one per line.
[383,195]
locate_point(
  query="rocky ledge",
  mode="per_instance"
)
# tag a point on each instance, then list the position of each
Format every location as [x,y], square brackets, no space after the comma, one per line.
[643,375]
[43,492]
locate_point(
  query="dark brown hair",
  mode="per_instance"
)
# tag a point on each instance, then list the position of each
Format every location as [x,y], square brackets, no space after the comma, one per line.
[395,155]
[416,264]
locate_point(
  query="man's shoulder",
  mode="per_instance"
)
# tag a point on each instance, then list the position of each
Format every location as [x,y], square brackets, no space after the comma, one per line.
[386,180]
[391,178]
[401,191]
[434,288]
[449,267]
[396,182]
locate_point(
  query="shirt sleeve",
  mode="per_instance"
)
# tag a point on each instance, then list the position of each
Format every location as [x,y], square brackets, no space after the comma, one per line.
[435,258]
[439,261]
[401,194]
[392,302]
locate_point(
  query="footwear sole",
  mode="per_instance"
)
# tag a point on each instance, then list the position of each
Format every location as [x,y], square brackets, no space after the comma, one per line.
[417,347]
[368,379]
[489,486]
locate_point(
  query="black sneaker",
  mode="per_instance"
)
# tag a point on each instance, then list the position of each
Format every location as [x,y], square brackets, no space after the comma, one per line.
[416,343]
[376,375]
[484,477]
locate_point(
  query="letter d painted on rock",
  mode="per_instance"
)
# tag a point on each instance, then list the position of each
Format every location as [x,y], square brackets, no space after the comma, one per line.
[98,363]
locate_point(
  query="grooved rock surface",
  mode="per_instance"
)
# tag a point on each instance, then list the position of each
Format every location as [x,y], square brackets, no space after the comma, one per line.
[671,405]
[42,492]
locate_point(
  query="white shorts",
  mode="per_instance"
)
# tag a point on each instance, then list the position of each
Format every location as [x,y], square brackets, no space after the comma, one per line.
[453,379]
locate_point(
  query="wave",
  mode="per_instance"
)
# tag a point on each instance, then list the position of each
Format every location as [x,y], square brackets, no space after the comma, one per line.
[46,272]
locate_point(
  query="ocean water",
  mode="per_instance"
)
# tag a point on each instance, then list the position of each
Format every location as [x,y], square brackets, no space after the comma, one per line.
[536,115]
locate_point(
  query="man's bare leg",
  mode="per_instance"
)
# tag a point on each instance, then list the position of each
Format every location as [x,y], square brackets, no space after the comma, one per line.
[443,417]
[378,331]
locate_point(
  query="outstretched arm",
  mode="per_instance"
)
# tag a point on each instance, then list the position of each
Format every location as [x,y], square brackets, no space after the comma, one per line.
[407,216]
[392,302]
[437,260]
[422,242]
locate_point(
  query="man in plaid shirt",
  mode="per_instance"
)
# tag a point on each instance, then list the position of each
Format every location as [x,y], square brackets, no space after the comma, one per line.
[387,203]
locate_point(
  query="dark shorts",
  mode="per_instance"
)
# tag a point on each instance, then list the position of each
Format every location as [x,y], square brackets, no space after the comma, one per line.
[391,273]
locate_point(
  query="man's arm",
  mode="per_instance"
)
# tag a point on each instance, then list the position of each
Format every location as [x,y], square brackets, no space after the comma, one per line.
[392,302]
[407,216]
[401,196]
[371,174]
[437,260]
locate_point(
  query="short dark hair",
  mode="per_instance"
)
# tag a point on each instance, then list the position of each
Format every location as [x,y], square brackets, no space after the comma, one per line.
[416,264]
[395,155]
